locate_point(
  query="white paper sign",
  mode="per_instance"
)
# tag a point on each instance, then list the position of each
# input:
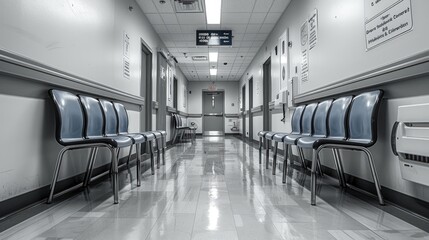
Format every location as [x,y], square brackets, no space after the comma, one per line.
[375,7]
[313,22]
[392,23]
[304,52]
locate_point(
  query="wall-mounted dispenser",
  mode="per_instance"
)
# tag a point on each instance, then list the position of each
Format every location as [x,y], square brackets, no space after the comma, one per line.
[410,142]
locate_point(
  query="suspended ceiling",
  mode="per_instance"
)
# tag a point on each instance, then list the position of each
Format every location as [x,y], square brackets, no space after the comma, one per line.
[250,21]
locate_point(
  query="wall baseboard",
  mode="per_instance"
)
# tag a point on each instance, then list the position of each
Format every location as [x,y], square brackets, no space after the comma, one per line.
[26,200]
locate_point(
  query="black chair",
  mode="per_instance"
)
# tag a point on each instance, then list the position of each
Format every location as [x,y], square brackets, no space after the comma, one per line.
[123,123]
[70,129]
[180,130]
[278,137]
[335,129]
[362,134]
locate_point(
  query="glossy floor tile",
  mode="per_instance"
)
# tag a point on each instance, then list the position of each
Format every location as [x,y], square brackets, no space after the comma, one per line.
[214,189]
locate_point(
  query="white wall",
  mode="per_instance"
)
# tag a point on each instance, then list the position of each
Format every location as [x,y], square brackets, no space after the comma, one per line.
[339,54]
[83,38]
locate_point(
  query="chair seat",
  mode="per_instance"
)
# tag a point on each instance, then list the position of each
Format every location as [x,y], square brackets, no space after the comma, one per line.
[278,137]
[163,133]
[148,135]
[157,135]
[313,142]
[262,133]
[270,135]
[136,137]
[116,141]
[308,142]
[292,139]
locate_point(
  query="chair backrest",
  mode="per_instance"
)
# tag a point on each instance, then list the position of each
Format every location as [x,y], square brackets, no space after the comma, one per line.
[110,118]
[93,116]
[296,119]
[320,121]
[307,119]
[337,120]
[122,118]
[69,116]
[174,119]
[363,117]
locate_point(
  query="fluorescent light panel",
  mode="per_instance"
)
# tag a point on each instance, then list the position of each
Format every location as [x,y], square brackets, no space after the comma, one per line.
[213,71]
[213,11]
[213,56]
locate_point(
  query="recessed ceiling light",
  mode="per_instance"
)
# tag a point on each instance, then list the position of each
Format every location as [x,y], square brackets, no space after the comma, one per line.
[213,71]
[213,56]
[213,11]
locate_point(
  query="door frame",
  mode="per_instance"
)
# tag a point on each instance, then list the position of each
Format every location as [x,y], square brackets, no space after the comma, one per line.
[266,96]
[250,90]
[243,104]
[147,114]
[223,109]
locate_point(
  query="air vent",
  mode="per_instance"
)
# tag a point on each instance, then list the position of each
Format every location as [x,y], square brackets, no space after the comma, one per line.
[199,58]
[416,158]
[188,6]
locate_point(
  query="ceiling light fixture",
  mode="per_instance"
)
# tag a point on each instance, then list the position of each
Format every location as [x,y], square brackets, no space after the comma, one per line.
[213,71]
[213,11]
[213,56]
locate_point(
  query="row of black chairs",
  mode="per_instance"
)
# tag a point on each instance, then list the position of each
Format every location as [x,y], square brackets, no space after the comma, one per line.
[344,123]
[84,122]
[179,130]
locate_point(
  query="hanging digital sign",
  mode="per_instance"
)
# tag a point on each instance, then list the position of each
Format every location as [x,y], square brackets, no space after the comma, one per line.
[214,38]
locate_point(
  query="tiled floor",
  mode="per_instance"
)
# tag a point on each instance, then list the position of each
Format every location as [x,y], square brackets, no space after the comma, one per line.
[214,189]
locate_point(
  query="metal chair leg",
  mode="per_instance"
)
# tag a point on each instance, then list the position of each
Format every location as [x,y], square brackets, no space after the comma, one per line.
[319,168]
[260,150]
[374,176]
[163,149]
[152,161]
[302,157]
[115,177]
[88,174]
[286,151]
[313,177]
[129,155]
[267,153]
[56,173]
[158,154]
[276,146]
[138,166]
[341,178]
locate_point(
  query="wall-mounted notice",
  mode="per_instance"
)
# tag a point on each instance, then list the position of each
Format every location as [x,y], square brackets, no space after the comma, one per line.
[313,22]
[374,7]
[126,68]
[394,21]
[304,52]
[126,56]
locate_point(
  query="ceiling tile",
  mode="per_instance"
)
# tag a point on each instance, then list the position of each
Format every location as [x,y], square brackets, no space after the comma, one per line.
[237,6]
[279,6]
[154,18]
[266,28]
[169,18]
[263,5]
[164,8]
[147,6]
[272,17]
[160,28]
[191,18]
[235,18]
[172,28]
[253,28]
[257,18]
